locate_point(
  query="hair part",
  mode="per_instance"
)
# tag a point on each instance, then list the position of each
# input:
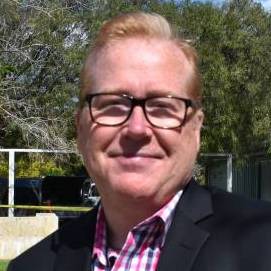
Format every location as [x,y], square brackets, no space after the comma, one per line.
[139,25]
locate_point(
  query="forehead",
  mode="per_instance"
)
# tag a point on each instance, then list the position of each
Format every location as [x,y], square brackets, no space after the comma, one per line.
[139,64]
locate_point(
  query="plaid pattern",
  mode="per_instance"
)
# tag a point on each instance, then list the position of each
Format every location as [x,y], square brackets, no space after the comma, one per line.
[143,244]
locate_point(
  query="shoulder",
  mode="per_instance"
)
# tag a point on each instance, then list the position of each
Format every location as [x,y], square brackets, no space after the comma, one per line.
[241,226]
[218,209]
[238,219]
[75,235]
[235,204]
[237,229]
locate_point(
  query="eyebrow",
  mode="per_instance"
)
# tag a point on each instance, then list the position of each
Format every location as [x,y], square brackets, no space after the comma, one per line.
[150,93]
[161,92]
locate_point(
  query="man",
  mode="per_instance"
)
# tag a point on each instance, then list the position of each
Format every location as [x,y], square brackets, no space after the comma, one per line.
[138,129]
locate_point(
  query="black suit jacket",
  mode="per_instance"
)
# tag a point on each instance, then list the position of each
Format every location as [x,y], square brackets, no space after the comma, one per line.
[211,231]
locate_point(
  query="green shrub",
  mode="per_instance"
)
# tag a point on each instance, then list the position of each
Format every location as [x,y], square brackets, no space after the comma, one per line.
[3,265]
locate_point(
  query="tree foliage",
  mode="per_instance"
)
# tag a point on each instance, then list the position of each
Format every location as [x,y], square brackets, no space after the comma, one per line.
[237,79]
[43,44]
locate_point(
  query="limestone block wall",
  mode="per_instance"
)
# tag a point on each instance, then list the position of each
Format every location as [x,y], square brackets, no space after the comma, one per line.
[17,234]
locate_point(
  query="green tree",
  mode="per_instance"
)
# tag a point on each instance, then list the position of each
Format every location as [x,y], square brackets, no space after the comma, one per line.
[233,44]
[43,44]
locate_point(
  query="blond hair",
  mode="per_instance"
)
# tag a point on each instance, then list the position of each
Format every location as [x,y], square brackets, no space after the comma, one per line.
[141,25]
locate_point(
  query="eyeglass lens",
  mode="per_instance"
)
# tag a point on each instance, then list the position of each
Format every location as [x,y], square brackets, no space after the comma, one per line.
[162,112]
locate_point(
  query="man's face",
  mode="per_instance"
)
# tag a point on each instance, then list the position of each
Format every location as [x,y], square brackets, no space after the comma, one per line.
[136,161]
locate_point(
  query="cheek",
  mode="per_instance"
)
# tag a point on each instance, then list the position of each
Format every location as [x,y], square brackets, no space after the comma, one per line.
[176,142]
[82,130]
[87,144]
[100,137]
[186,144]
[87,133]
[88,149]
[94,141]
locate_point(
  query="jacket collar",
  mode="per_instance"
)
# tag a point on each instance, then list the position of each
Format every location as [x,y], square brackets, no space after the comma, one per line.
[75,243]
[183,242]
[185,238]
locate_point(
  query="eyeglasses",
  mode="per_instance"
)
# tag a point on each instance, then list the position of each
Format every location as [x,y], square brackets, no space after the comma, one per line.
[166,112]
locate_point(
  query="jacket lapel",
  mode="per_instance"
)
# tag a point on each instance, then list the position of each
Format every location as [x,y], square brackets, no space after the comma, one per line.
[183,242]
[76,242]
[185,238]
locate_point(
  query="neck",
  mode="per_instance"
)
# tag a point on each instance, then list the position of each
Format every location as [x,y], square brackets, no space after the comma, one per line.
[121,217]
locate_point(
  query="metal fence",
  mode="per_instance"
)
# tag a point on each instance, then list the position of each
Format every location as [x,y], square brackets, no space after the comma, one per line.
[251,179]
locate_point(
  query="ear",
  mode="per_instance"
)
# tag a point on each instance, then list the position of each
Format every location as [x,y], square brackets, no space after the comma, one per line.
[77,116]
[198,122]
[199,119]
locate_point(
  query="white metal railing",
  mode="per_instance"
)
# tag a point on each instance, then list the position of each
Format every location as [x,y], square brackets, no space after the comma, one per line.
[11,170]
[229,166]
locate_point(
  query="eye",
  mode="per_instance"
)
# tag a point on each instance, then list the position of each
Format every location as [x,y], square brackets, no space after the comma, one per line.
[163,105]
[102,102]
[110,105]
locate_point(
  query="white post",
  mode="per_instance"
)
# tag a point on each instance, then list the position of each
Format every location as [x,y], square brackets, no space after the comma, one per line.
[229,173]
[11,181]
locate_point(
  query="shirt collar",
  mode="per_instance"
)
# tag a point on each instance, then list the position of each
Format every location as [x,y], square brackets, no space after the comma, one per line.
[164,214]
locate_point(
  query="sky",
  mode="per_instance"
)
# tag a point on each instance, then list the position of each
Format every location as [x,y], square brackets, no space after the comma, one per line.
[265,3]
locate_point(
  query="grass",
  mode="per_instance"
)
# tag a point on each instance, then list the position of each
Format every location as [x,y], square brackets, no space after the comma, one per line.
[3,265]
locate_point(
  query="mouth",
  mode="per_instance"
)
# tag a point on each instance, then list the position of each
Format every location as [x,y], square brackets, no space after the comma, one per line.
[130,155]
[136,162]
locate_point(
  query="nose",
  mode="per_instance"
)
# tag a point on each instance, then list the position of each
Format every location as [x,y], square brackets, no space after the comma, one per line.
[137,126]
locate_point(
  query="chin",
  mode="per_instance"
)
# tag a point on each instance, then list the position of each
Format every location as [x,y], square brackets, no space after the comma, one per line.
[132,187]
[140,194]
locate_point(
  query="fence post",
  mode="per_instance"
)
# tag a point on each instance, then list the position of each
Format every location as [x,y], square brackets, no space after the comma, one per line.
[229,173]
[11,173]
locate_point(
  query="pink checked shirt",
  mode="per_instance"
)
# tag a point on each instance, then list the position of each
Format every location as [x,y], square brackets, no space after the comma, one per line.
[142,248]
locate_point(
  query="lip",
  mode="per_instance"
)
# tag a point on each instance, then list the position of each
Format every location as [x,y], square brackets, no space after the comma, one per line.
[136,161]
[138,155]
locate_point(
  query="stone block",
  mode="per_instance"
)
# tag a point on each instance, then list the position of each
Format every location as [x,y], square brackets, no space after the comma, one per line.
[17,234]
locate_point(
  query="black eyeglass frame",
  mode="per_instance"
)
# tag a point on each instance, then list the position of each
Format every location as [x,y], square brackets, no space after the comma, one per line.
[141,102]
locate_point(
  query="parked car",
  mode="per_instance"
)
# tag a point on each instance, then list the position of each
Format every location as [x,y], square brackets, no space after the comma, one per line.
[89,193]
[68,191]
[27,191]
